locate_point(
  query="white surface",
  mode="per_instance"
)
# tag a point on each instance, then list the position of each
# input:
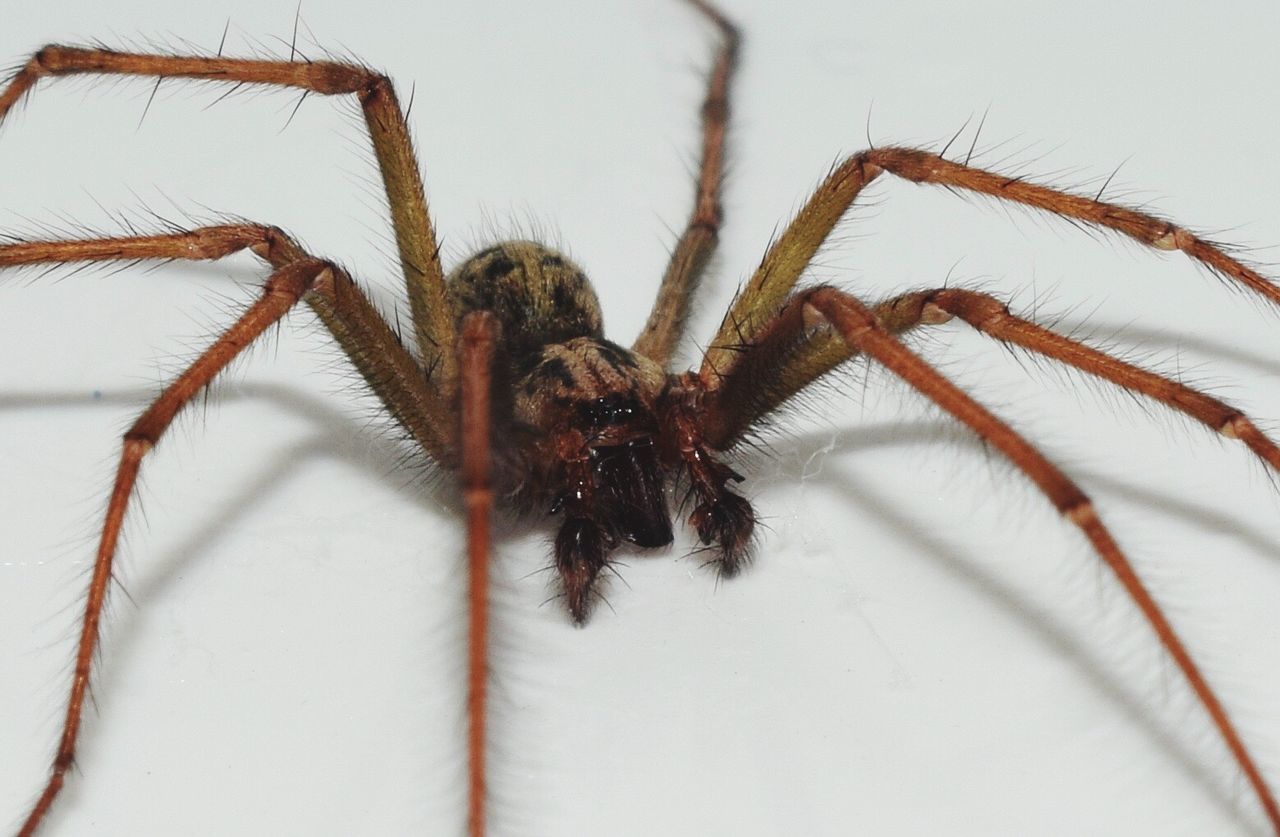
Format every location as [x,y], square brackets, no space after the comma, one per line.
[920,648]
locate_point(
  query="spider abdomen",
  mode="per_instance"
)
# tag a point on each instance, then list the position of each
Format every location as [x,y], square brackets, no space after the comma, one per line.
[538,295]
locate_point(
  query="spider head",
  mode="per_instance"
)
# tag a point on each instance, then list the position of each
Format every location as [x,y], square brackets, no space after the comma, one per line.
[593,404]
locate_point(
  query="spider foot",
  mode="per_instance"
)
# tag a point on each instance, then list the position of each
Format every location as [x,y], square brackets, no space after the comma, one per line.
[727,520]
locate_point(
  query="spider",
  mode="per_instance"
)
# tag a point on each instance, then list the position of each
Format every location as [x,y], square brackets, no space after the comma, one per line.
[428,167]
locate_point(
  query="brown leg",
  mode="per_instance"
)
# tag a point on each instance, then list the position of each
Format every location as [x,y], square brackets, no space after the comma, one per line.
[282,291]
[782,265]
[991,316]
[698,241]
[366,338]
[419,256]
[480,333]
[409,392]
[863,330]
[791,354]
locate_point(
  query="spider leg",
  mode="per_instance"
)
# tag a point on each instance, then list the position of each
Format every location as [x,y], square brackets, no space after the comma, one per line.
[476,347]
[285,287]
[415,236]
[991,316]
[372,345]
[791,353]
[787,258]
[658,339]
[814,312]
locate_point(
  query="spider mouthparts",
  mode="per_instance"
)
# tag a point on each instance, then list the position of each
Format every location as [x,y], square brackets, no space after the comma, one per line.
[635,497]
[650,534]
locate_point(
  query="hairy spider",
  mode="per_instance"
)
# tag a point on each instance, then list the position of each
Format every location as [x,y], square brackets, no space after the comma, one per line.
[593,271]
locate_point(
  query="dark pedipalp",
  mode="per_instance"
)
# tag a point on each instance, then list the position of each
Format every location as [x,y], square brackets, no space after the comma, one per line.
[582,550]
[723,519]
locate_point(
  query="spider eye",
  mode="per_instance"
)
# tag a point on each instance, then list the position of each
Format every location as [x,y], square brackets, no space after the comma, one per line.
[609,410]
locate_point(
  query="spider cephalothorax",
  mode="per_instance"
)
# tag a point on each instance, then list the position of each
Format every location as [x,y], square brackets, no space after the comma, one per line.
[591,430]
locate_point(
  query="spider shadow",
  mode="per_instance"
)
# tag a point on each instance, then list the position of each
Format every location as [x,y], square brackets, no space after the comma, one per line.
[971,572]
[336,436]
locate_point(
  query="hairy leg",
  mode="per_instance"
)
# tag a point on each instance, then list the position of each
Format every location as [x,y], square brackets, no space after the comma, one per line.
[791,353]
[990,316]
[408,391]
[415,236]
[867,331]
[285,287]
[368,341]
[658,339]
[771,284]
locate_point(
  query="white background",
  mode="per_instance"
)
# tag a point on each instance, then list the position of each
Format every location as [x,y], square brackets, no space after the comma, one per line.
[921,647]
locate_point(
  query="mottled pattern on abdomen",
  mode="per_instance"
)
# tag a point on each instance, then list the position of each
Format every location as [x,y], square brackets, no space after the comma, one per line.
[538,295]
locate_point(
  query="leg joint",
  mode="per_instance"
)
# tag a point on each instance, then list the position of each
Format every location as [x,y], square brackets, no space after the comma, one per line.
[45,60]
[1237,427]
[276,247]
[931,313]
[295,279]
[716,109]
[981,310]
[1173,238]
[845,315]
[869,168]
[375,86]
[140,439]
[707,217]
[1080,512]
